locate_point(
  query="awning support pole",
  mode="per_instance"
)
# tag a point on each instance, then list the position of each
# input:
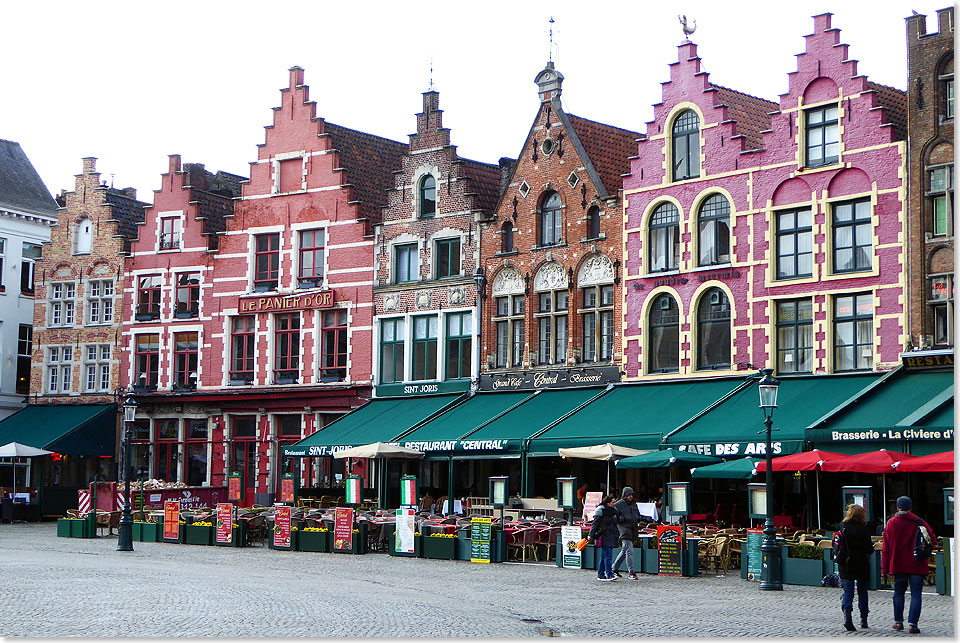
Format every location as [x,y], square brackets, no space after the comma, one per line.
[450,493]
[818,497]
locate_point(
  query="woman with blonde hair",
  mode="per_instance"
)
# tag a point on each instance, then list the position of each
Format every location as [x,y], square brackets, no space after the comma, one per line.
[854,564]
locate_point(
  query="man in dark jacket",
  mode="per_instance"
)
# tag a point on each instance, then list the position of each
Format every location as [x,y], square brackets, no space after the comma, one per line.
[897,559]
[628,519]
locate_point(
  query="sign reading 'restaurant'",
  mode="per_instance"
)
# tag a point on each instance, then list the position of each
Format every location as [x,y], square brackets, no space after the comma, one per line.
[322,299]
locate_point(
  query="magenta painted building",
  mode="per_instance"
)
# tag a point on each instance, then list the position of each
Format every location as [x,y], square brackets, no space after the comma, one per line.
[762,233]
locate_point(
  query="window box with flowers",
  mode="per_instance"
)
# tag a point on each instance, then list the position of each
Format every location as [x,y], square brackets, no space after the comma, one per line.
[314,539]
[417,546]
[440,546]
[199,533]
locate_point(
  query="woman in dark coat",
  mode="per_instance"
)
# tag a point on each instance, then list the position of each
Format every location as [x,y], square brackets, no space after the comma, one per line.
[605,528]
[856,569]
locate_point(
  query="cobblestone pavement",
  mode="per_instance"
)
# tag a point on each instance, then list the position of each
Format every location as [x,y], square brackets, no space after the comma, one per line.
[70,587]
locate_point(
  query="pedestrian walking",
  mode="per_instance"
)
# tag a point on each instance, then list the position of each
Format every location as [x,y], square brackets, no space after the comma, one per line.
[854,564]
[605,533]
[628,521]
[897,558]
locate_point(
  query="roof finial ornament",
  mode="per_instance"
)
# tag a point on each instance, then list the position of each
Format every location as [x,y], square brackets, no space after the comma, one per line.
[687,30]
[550,53]
[431,88]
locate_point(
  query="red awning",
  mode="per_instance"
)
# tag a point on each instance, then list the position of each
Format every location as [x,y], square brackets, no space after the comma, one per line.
[873,462]
[806,461]
[927,463]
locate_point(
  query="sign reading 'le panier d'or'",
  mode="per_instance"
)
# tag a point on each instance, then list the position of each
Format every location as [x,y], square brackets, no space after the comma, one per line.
[275,303]
[557,378]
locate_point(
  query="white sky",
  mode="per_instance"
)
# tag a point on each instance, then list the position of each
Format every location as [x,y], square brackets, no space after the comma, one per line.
[131,82]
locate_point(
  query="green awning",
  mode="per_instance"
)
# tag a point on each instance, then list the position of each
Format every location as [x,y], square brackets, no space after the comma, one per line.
[448,432]
[739,469]
[632,415]
[903,406]
[733,427]
[72,429]
[379,420]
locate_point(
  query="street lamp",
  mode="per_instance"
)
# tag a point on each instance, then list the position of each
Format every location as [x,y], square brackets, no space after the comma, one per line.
[125,530]
[770,553]
[481,280]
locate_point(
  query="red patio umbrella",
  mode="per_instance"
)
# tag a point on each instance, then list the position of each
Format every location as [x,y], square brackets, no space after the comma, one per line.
[806,461]
[927,463]
[881,462]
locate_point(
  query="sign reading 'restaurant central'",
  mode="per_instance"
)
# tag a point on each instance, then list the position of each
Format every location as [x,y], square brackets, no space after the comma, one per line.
[322,299]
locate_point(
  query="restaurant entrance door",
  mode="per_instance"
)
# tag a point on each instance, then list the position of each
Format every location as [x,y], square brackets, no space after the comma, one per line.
[243,454]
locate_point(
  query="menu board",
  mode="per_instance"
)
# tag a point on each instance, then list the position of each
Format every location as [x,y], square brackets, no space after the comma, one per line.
[406,523]
[235,488]
[590,502]
[224,522]
[670,545]
[754,557]
[281,527]
[171,519]
[287,489]
[343,529]
[572,557]
[480,533]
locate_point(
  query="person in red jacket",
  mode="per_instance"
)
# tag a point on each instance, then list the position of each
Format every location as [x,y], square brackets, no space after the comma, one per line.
[897,559]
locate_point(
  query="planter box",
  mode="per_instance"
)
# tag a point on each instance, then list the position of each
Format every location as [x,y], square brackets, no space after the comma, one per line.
[201,535]
[239,535]
[438,547]
[294,535]
[179,539]
[358,544]
[63,528]
[801,571]
[650,556]
[417,548]
[146,532]
[314,541]
[80,528]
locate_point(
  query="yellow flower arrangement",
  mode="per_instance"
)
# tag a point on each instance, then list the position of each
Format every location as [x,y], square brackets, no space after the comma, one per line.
[202,524]
[442,536]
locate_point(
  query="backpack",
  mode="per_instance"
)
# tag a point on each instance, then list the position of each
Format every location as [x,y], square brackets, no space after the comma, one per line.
[840,552]
[923,546]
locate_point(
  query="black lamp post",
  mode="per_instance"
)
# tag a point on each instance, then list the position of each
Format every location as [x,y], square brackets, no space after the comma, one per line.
[770,553]
[125,530]
[481,280]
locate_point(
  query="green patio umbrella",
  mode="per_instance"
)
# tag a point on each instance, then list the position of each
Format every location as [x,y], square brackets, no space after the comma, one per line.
[739,469]
[666,458]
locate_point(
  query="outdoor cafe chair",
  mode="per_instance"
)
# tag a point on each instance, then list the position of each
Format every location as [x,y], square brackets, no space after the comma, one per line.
[257,530]
[524,540]
[547,538]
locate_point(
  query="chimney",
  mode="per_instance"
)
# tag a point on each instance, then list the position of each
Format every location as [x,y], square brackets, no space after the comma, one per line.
[90,165]
[296,77]
[548,83]
[130,193]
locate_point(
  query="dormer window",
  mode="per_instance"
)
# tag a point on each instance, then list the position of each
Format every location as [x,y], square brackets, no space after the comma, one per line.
[170,233]
[83,239]
[428,196]
[823,136]
[686,146]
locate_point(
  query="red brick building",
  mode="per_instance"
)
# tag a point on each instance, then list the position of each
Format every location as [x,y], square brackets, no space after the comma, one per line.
[930,233]
[552,250]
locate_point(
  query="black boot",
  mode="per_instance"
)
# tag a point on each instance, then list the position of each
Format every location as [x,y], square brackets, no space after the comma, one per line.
[863,620]
[848,620]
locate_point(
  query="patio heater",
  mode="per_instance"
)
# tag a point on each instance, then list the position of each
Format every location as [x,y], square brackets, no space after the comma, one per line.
[125,528]
[567,496]
[770,553]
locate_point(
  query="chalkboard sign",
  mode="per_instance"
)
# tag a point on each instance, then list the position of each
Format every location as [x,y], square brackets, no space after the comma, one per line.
[480,532]
[670,544]
[754,557]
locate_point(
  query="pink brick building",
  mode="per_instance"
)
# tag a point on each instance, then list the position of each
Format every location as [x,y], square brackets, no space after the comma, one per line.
[763,233]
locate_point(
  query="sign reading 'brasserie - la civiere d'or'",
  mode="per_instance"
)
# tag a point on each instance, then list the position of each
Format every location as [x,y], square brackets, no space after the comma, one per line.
[276,303]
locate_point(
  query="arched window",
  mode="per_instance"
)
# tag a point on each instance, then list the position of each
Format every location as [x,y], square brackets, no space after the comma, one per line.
[84,236]
[686,146]
[713,331]
[550,227]
[664,348]
[664,238]
[506,237]
[428,196]
[593,223]
[714,231]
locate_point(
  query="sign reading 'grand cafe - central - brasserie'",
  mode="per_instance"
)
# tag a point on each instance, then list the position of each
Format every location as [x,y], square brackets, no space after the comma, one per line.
[275,303]
[557,378]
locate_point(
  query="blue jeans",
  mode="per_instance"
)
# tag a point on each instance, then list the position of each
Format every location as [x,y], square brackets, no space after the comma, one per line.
[846,602]
[899,594]
[605,566]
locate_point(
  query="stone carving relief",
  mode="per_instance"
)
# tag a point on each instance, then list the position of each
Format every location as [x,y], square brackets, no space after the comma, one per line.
[550,277]
[508,281]
[424,299]
[391,301]
[456,295]
[595,270]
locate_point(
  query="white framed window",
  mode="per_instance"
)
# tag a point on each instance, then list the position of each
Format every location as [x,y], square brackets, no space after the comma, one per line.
[29,255]
[170,233]
[100,301]
[3,248]
[96,368]
[63,303]
[59,368]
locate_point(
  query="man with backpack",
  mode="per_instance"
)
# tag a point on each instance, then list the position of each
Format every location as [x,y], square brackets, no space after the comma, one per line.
[907,543]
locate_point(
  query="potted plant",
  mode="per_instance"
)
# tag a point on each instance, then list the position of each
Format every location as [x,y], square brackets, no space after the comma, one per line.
[802,564]
[199,533]
[440,546]
[314,539]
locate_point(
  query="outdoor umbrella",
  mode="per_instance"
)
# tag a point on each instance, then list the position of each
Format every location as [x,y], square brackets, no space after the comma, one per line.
[739,469]
[926,463]
[806,461]
[382,451]
[605,451]
[881,462]
[666,458]
[17,450]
